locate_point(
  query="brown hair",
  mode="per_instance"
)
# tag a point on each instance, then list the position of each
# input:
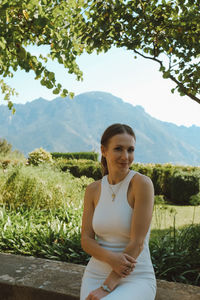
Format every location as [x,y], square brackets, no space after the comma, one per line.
[111,131]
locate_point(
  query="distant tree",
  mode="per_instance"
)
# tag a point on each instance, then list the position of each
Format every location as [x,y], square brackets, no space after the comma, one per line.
[165,31]
[5,147]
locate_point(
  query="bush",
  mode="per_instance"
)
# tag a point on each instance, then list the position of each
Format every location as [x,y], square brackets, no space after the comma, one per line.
[39,156]
[80,167]
[195,199]
[176,183]
[40,187]
[76,155]
[183,186]
[5,147]
[175,254]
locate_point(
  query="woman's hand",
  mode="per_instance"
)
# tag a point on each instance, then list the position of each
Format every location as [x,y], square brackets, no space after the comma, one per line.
[97,294]
[122,263]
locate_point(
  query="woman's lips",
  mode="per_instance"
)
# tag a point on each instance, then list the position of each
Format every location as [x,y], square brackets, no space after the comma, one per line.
[123,164]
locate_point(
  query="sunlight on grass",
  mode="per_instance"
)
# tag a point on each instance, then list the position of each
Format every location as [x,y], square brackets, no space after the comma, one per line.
[165,215]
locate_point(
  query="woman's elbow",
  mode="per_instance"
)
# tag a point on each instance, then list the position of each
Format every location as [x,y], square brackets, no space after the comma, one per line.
[83,242]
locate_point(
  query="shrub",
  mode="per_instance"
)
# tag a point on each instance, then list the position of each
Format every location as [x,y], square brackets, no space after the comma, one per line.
[195,199]
[80,167]
[76,155]
[175,183]
[5,147]
[39,156]
[40,187]
[183,186]
[175,254]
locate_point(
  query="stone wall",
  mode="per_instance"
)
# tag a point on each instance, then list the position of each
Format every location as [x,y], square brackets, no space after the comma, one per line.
[29,278]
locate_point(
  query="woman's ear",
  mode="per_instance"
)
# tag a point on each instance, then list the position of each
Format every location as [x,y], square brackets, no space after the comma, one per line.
[103,151]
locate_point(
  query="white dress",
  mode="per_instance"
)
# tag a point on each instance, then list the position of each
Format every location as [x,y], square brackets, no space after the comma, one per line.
[111,224]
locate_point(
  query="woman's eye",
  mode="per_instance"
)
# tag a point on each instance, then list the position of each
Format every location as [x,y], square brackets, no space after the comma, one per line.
[131,150]
[117,148]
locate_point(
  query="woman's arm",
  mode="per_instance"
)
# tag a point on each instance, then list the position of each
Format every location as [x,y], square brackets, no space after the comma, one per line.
[88,242]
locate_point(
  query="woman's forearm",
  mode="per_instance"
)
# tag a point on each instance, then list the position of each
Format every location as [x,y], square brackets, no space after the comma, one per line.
[112,280]
[91,247]
[133,249]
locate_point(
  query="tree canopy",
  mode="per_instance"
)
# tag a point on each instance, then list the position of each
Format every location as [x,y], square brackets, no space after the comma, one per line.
[165,31]
[38,22]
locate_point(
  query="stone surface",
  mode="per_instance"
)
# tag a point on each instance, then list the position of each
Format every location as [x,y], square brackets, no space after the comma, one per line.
[28,278]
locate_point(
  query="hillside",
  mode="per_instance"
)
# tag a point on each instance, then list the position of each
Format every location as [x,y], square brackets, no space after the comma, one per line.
[76,125]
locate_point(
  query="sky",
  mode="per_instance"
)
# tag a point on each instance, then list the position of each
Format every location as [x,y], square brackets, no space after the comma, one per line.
[137,81]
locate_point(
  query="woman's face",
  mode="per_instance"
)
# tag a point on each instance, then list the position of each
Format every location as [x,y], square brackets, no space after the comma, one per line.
[119,152]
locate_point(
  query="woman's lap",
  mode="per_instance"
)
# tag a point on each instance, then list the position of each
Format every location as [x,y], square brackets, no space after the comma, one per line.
[137,289]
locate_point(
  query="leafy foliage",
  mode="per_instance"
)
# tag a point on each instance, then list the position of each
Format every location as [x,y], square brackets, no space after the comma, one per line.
[184,185]
[195,199]
[76,155]
[34,22]
[176,183]
[163,31]
[40,187]
[176,254]
[166,32]
[39,156]
[5,147]
[40,215]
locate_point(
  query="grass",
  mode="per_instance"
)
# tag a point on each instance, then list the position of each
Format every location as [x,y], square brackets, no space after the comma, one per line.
[164,214]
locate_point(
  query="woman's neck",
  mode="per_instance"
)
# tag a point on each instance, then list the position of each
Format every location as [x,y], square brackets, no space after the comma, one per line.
[114,178]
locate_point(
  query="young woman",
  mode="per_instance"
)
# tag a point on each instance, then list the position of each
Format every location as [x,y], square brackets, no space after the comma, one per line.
[116,225]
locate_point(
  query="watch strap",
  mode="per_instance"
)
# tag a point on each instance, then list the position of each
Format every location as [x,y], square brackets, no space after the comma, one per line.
[106,288]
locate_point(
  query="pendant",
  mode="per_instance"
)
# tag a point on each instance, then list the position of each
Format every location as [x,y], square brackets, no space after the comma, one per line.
[113,196]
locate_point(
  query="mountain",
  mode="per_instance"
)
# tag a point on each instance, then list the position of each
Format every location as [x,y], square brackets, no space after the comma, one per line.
[64,125]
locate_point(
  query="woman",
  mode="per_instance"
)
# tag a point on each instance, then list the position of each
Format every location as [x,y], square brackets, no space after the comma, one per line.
[116,225]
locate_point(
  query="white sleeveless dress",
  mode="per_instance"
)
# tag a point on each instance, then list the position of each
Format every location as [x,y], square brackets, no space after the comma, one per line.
[111,224]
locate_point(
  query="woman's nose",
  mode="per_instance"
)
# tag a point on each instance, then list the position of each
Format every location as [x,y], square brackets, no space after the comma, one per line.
[124,154]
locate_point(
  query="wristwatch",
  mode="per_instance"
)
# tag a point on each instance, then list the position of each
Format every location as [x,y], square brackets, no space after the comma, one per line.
[106,288]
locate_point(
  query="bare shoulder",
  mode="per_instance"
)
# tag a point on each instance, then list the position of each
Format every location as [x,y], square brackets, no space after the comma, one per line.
[92,193]
[94,186]
[140,181]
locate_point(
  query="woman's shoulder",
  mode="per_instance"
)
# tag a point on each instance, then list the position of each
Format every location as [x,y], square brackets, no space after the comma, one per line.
[94,186]
[141,180]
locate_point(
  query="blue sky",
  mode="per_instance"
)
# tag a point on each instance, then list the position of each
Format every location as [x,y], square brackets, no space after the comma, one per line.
[136,81]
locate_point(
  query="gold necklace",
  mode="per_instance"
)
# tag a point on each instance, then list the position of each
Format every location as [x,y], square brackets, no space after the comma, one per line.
[114,194]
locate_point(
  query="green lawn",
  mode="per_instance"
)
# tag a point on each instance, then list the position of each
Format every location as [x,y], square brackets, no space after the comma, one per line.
[164,216]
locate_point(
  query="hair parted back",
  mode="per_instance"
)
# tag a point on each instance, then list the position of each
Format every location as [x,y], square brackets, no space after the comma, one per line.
[111,131]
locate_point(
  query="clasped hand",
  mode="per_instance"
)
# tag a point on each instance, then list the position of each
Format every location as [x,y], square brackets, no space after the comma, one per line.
[122,263]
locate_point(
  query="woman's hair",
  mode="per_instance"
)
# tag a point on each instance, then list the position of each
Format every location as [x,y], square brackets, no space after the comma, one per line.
[111,131]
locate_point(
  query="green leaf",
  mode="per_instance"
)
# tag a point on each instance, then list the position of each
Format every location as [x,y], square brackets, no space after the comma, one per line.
[56,91]
[71,95]
[51,76]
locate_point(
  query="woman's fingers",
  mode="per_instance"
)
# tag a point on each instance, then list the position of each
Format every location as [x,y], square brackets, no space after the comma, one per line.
[130,258]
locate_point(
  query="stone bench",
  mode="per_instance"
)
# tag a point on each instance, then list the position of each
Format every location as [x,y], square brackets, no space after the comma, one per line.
[30,278]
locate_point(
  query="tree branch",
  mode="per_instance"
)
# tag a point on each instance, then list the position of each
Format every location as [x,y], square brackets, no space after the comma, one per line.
[184,89]
[147,57]
[179,84]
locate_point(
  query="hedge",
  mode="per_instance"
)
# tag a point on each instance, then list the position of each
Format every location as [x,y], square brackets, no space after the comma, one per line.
[183,186]
[76,155]
[177,183]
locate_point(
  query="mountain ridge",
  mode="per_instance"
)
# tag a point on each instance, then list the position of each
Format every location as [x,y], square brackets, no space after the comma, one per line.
[63,125]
